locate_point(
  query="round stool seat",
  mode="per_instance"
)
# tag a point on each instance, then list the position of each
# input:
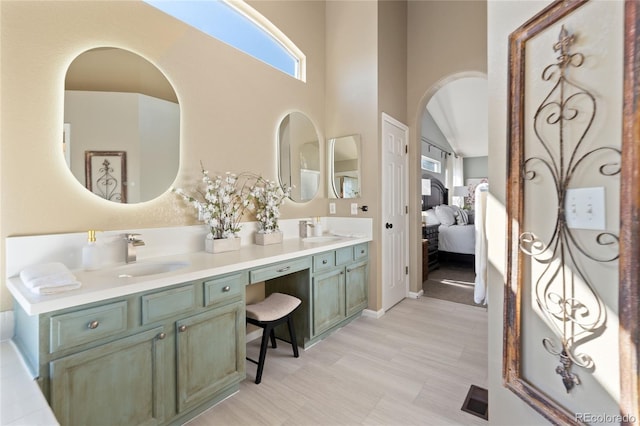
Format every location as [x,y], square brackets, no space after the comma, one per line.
[274,307]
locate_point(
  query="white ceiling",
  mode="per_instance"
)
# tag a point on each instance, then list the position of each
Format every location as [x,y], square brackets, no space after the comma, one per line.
[459,108]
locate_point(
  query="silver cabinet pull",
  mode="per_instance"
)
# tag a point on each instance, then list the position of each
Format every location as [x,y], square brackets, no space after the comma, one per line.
[285,269]
[93,324]
[182,328]
[324,262]
[226,288]
[161,336]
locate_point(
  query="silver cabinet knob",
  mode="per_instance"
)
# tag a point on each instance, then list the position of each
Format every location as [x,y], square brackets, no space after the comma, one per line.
[182,328]
[226,288]
[93,325]
[161,336]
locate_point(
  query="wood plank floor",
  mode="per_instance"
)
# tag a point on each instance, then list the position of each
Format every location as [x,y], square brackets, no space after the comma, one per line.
[413,366]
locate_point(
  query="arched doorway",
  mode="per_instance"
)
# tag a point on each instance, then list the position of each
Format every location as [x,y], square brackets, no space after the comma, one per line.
[452,132]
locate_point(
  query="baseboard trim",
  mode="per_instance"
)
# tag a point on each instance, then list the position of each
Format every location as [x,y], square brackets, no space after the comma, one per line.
[373,314]
[414,295]
[253,335]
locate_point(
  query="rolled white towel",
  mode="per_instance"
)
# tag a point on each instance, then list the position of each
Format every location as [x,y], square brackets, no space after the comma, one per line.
[48,278]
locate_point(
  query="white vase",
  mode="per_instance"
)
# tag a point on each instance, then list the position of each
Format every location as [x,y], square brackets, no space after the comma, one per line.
[263,239]
[221,245]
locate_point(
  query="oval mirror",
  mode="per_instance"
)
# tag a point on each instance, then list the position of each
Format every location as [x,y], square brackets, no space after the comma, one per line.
[344,164]
[121,126]
[299,156]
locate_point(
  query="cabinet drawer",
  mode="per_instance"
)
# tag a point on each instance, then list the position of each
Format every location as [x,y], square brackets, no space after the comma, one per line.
[76,328]
[222,289]
[324,261]
[344,255]
[361,251]
[165,304]
[278,270]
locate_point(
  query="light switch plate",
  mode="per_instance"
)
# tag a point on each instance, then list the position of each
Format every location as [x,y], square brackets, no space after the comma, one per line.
[584,208]
[354,208]
[332,208]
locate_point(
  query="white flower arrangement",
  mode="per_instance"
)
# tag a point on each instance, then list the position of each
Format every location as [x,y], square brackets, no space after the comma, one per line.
[266,197]
[222,203]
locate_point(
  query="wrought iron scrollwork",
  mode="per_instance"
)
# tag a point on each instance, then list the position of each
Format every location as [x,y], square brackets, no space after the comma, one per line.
[561,124]
[107,184]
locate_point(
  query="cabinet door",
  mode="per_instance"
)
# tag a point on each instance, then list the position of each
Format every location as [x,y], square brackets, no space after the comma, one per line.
[356,287]
[328,300]
[117,383]
[210,353]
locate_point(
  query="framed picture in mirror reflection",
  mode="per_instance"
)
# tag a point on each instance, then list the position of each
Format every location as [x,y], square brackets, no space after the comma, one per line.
[106,174]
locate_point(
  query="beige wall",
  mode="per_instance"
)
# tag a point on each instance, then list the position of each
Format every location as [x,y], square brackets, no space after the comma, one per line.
[231,104]
[503,18]
[444,39]
[352,61]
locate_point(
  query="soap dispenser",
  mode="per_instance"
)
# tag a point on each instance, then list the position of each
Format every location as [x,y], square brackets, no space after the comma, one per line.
[90,252]
[317,228]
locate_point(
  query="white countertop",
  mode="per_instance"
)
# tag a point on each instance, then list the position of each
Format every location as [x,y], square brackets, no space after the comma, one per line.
[105,284]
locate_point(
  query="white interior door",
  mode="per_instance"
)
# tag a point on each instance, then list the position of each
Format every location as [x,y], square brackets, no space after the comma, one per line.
[395,191]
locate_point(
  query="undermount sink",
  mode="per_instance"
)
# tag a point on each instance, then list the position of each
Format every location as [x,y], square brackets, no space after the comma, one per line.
[151,268]
[323,239]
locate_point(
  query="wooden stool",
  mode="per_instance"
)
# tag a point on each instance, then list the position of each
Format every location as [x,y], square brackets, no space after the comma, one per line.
[268,314]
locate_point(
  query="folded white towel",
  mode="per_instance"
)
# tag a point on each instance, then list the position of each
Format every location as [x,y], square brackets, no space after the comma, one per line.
[48,278]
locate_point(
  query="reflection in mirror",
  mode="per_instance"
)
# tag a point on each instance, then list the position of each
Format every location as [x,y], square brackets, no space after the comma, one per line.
[299,152]
[344,163]
[121,126]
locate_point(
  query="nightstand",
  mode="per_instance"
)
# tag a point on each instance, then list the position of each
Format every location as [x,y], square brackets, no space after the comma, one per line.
[430,233]
[425,260]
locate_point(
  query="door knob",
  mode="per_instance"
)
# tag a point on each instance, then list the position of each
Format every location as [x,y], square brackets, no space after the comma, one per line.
[388,225]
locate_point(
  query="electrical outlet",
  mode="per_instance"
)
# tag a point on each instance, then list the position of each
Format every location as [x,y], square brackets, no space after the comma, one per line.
[354,208]
[332,208]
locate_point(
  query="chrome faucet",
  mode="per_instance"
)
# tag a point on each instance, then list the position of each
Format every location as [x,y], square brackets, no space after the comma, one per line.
[302,228]
[132,243]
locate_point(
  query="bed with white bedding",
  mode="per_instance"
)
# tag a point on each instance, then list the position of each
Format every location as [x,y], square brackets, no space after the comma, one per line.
[457,239]
[456,230]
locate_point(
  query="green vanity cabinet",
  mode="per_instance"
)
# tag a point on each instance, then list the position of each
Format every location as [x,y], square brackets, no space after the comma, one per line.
[333,291]
[332,285]
[328,300]
[153,358]
[356,284]
[122,381]
[340,283]
[210,353]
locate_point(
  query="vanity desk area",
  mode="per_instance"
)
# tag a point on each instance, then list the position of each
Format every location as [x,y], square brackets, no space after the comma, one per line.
[161,348]
[160,340]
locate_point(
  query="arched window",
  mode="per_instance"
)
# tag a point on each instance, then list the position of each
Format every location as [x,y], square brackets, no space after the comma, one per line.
[239,25]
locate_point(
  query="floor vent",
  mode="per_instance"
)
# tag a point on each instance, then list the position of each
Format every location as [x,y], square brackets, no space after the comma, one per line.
[477,402]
